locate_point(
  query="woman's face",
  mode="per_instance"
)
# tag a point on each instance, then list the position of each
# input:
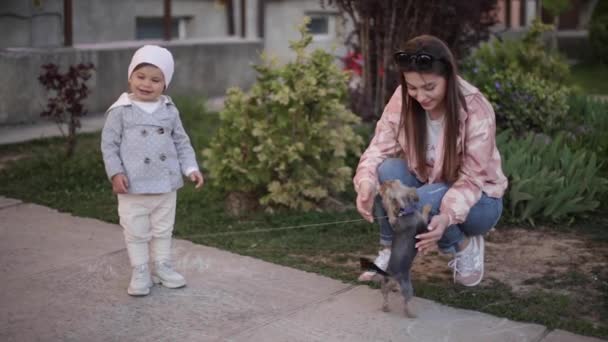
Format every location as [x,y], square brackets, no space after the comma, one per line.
[428,89]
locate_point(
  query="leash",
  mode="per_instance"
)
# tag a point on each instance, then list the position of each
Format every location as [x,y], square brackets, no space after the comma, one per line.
[265,230]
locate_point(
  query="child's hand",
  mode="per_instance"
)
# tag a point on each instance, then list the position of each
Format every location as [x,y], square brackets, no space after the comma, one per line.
[197,178]
[120,183]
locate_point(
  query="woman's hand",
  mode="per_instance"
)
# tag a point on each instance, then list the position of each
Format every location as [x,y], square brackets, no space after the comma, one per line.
[120,183]
[365,200]
[197,177]
[428,241]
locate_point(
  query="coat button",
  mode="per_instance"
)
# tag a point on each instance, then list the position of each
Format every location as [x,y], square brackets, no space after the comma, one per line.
[161,131]
[147,160]
[144,132]
[163,157]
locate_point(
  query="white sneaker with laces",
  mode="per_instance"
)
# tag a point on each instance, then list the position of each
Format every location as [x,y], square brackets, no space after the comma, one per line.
[384,255]
[165,275]
[468,263]
[140,281]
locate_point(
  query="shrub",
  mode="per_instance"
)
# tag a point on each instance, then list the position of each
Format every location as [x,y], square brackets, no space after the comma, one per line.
[522,101]
[598,32]
[549,180]
[522,80]
[66,95]
[286,141]
[527,55]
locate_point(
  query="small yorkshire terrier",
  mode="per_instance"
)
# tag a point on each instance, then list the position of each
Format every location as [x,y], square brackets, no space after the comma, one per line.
[400,201]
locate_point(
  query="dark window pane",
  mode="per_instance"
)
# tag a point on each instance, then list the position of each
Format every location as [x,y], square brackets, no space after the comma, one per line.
[152,28]
[319,25]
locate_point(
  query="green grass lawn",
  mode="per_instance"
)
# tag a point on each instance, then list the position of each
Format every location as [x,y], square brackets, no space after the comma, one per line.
[79,186]
[592,78]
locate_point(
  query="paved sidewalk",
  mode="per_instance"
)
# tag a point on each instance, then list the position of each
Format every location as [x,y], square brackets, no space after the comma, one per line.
[10,134]
[65,278]
[93,122]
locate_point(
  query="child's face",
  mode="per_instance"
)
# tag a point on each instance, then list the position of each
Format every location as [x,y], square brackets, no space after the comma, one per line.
[147,83]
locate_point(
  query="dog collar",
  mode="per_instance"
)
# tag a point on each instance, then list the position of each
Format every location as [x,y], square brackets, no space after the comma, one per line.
[406,211]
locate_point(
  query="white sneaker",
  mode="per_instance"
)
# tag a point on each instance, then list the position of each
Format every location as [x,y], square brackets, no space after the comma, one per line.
[165,275]
[140,281]
[468,263]
[384,255]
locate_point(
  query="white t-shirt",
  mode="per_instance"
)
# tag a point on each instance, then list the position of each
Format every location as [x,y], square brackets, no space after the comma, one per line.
[433,129]
[147,106]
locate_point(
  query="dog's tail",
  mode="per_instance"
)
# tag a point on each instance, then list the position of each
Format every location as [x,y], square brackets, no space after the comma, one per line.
[368,265]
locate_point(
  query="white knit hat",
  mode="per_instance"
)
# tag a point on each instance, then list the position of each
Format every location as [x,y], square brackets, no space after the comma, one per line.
[157,56]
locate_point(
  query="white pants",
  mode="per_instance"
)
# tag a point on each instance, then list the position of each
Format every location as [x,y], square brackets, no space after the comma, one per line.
[147,219]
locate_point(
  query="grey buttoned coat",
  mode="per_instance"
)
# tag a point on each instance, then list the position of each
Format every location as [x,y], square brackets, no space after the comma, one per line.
[151,149]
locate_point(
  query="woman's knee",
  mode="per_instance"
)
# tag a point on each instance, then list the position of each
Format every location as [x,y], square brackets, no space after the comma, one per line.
[483,216]
[396,168]
[391,168]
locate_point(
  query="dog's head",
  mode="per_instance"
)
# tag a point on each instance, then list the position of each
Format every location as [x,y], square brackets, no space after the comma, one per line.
[395,196]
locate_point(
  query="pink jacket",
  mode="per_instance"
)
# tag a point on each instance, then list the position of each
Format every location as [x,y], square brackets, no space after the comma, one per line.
[480,169]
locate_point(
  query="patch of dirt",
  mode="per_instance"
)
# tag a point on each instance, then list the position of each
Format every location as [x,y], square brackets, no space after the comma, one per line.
[5,160]
[517,257]
[523,259]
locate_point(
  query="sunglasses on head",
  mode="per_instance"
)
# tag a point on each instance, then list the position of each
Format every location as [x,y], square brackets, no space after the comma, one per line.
[420,61]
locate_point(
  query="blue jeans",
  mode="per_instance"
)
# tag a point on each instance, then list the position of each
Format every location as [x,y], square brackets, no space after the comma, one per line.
[482,217]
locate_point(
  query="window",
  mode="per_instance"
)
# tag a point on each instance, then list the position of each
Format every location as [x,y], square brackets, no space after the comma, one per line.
[322,26]
[319,25]
[153,28]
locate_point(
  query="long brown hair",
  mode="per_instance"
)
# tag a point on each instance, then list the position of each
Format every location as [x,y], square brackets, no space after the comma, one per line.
[413,117]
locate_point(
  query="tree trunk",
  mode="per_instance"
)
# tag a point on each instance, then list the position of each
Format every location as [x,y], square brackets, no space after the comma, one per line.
[554,35]
[71,140]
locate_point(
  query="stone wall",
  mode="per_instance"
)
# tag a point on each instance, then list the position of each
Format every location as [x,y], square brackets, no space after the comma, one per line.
[204,68]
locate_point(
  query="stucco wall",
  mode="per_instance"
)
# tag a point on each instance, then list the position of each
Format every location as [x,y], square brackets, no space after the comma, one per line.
[203,68]
[25,24]
[208,19]
[282,17]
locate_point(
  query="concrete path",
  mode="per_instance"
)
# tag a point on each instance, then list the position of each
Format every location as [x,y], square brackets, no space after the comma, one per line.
[65,278]
[10,134]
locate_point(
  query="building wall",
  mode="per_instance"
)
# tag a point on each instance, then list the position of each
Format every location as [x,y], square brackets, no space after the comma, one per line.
[517,8]
[204,68]
[24,24]
[207,18]
[97,21]
[282,19]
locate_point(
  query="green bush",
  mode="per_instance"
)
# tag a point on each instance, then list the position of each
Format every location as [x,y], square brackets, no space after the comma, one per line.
[548,180]
[286,141]
[598,31]
[524,102]
[527,55]
[524,82]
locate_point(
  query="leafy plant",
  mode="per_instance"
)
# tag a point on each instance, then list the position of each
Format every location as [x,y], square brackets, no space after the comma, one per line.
[285,142]
[68,91]
[548,180]
[590,117]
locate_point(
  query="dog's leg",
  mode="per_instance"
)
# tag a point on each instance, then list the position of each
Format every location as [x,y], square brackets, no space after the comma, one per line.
[385,290]
[407,290]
